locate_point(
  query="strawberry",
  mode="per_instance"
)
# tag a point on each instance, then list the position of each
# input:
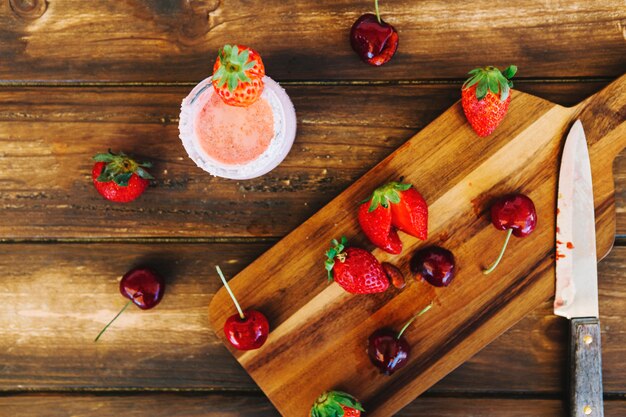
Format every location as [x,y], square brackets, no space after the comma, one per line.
[238,75]
[119,178]
[336,404]
[356,270]
[376,224]
[393,206]
[485,97]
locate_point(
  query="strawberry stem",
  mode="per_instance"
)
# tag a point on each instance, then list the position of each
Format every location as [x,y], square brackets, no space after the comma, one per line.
[377,11]
[114,318]
[230,292]
[506,242]
[408,323]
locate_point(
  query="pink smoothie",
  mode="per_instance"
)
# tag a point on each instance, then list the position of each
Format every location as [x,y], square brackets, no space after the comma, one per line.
[234,135]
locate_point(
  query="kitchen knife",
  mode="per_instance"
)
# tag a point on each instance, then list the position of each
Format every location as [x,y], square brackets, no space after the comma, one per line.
[577,275]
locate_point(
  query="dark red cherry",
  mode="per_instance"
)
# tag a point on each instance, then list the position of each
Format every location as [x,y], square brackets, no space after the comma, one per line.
[373,40]
[388,352]
[516,214]
[143,287]
[248,333]
[435,265]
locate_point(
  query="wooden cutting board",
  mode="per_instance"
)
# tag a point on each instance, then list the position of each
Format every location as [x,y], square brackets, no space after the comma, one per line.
[319,332]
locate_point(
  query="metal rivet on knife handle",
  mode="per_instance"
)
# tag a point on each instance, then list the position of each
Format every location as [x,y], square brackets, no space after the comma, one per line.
[588,339]
[587,410]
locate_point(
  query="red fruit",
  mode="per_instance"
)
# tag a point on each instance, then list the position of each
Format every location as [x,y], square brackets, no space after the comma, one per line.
[396,277]
[397,205]
[141,286]
[238,75]
[434,264]
[336,404]
[515,213]
[246,330]
[356,270]
[410,214]
[374,40]
[119,178]
[376,225]
[485,98]
[247,333]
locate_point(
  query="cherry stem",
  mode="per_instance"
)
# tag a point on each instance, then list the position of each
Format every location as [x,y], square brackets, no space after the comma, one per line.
[114,318]
[230,292]
[377,12]
[506,242]
[408,323]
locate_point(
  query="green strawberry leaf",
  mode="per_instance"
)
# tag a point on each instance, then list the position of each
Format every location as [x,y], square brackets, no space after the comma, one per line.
[401,187]
[249,65]
[510,71]
[243,77]
[481,90]
[122,179]
[470,82]
[104,157]
[232,82]
[243,57]
[494,86]
[144,174]
[393,197]
[505,91]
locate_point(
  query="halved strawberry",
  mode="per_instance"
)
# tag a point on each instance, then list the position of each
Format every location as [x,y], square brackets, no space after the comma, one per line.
[356,270]
[393,205]
[336,404]
[119,178]
[238,75]
[485,97]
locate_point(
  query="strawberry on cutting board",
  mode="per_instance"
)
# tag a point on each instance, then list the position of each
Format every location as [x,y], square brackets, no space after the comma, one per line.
[336,404]
[393,206]
[238,75]
[356,270]
[485,97]
[119,178]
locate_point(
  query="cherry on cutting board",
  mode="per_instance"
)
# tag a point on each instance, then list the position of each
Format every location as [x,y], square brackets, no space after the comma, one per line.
[374,40]
[143,287]
[388,350]
[516,214]
[246,330]
[434,264]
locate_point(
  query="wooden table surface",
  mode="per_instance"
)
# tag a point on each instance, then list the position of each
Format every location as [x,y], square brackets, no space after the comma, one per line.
[78,77]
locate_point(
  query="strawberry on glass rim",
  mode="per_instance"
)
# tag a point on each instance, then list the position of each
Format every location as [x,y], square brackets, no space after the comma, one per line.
[238,75]
[119,178]
[485,97]
[393,206]
[336,404]
[238,123]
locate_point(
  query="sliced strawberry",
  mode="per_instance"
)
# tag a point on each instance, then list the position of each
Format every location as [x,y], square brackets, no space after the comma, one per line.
[376,225]
[410,214]
[356,270]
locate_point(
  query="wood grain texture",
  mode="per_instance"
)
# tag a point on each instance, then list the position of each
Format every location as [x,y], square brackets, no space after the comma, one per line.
[167,40]
[313,322]
[211,405]
[47,136]
[585,368]
[57,297]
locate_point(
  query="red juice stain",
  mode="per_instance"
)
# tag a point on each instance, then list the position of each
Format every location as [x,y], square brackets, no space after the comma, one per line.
[559,255]
[558,242]
[558,229]
[558,211]
[569,245]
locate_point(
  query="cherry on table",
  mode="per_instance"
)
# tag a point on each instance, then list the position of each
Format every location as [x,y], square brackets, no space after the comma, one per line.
[143,287]
[516,214]
[246,330]
[374,40]
[388,350]
[434,264]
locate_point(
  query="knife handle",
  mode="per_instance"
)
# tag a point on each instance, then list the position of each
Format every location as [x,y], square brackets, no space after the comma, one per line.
[586,368]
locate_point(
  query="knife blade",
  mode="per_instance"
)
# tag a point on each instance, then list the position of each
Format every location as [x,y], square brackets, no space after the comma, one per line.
[576,295]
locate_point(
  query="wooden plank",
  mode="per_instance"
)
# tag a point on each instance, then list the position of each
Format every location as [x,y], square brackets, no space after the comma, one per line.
[56,298]
[220,405]
[47,137]
[162,40]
